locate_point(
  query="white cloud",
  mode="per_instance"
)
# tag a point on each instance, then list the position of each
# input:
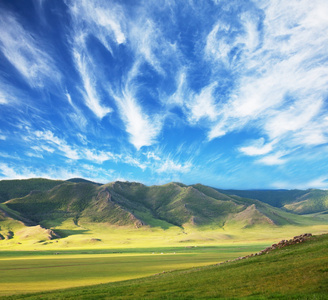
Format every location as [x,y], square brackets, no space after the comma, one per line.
[77,117]
[85,171]
[281,74]
[100,19]
[3,98]
[142,128]
[100,156]
[294,118]
[170,166]
[2,136]
[273,159]
[179,96]
[151,155]
[150,44]
[203,104]
[33,154]
[61,145]
[12,173]
[90,95]
[144,38]
[6,155]
[19,172]
[25,53]
[127,159]
[42,148]
[257,147]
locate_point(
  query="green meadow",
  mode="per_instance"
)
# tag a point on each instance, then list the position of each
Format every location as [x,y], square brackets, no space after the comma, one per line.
[294,272]
[104,254]
[32,271]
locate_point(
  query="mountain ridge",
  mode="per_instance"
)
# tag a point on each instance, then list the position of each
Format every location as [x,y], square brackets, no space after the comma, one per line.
[84,204]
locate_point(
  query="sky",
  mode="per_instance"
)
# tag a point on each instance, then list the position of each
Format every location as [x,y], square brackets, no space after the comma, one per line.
[227,93]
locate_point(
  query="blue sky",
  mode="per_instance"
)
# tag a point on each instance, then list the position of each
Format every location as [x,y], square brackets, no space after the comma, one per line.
[231,94]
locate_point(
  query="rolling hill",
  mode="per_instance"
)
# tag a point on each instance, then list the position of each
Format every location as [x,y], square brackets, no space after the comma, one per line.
[74,206]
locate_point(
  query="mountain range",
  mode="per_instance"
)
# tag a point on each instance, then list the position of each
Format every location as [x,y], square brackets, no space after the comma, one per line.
[45,205]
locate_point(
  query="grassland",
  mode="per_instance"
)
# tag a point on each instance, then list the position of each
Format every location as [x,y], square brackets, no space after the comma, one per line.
[31,271]
[294,272]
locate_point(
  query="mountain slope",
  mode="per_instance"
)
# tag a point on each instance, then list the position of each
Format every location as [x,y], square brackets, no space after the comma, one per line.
[73,207]
[10,189]
[131,203]
[15,227]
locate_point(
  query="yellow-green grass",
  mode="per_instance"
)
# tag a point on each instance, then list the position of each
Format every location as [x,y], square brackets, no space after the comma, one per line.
[92,236]
[102,236]
[294,272]
[23,271]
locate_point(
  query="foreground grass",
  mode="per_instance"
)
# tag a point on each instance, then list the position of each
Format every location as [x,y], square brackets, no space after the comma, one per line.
[295,272]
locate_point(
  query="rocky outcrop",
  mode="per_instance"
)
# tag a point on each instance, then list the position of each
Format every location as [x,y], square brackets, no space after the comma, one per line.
[283,243]
[52,235]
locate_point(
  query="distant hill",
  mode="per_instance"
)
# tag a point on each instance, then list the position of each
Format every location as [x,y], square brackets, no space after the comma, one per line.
[296,201]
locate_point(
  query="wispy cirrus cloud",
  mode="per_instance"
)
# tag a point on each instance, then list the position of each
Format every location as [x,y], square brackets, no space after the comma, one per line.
[92,20]
[2,136]
[281,72]
[76,116]
[3,98]
[273,159]
[170,166]
[100,156]
[144,44]
[257,147]
[90,172]
[90,94]
[26,52]
[142,128]
[60,144]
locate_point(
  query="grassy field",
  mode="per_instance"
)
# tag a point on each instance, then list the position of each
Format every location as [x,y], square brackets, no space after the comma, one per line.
[103,236]
[31,271]
[294,272]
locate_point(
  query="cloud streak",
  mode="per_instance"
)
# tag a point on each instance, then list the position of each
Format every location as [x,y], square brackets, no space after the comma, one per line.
[282,71]
[25,52]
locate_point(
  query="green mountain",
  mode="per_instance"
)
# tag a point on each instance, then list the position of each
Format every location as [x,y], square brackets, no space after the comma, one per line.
[71,207]
[10,189]
[295,201]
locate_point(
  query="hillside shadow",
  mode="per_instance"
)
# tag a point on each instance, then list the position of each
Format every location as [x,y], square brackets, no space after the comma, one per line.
[67,232]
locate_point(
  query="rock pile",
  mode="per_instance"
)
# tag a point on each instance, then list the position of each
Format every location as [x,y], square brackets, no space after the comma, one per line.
[295,240]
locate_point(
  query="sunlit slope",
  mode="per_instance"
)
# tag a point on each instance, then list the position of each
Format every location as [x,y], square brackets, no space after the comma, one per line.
[296,201]
[14,228]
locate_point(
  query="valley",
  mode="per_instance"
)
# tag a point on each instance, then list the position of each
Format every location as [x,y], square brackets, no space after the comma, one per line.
[78,233]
